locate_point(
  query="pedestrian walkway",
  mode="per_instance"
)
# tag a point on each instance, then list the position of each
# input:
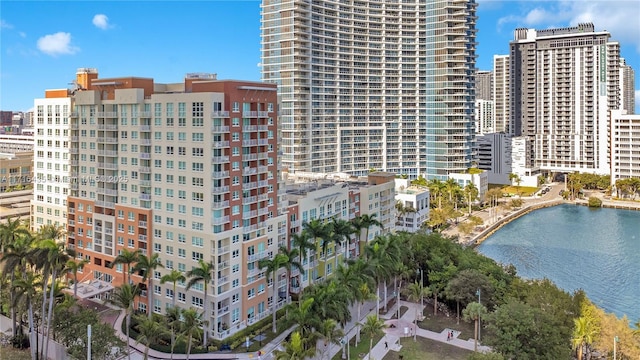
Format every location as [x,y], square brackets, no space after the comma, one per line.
[394,333]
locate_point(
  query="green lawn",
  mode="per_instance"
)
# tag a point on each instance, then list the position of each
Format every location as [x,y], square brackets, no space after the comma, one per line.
[440,322]
[9,353]
[362,348]
[425,349]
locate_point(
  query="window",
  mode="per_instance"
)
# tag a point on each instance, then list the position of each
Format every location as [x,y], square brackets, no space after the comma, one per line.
[251,293]
[196,301]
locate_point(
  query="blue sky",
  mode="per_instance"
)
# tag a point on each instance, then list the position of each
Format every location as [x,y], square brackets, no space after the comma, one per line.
[43,43]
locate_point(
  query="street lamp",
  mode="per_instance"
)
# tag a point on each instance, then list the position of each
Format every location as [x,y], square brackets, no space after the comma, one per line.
[415,330]
[479,323]
[615,340]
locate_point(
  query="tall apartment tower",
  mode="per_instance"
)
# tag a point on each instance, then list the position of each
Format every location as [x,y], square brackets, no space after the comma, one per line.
[52,154]
[484,85]
[485,119]
[187,171]
[501,94]
[373,84]
[627,86]
[564,82]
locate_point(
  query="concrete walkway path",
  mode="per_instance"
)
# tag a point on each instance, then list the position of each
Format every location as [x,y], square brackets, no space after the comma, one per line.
[394,334]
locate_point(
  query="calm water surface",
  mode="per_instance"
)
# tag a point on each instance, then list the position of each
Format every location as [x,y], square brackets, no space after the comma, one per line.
[597,250]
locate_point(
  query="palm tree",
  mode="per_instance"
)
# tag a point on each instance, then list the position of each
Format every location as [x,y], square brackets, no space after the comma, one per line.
[319,233]
[203,273]
[363,292]
[272,266]
[26,291]
[172,319]
[73,267]
[294,349]
[330,334]
[416,292]
[474,312]
[149,332]
[583,334]
[383,256]
[303,316]
[174,276]
[402,210]
[292,263]
[10,231]
[344,229]
[367,221]
[127,258]
[471,194]
[372,327]
[304,244]
[192,325]
[54,258]
[147,265]
[15,258]
[124,297]
[451,186]
[436,189]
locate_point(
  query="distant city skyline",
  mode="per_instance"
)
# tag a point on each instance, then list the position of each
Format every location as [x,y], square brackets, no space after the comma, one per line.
[41,45]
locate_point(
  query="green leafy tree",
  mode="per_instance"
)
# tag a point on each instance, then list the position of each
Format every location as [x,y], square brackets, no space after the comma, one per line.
[372,327]
[272,266]
[173,277]
[192,325]
[124,297]
[416,292]
[583,335]
[294,349]
[203,274]
[303,316]
[474,312]
[464,286]
[147,265]
[73,266]
[127,258]
[330,334]
[149,332]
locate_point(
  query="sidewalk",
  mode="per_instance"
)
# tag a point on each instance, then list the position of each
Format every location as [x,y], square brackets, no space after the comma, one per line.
[393,335]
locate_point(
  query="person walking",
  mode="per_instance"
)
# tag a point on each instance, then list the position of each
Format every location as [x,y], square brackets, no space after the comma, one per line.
[448,336]
[386,345]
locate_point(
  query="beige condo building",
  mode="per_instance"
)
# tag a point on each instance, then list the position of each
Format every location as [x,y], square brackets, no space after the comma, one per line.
[184,170]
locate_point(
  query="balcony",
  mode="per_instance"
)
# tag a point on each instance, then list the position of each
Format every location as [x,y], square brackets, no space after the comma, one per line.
[145,156]
[108,140]
[219,129]
[107,114]
[145,128]
[107,127]
[106,204]
[219,159]
[220,190]
[220,220]
[252,142]
[220,144]
[257,256]
[249,114]
[219,114]
[142,237]
[144,114]
[110,166]
[249,171]
[145,197]
[249,186]
[142,224]
[144,170]
[216,205]
[220,174]
[107,153]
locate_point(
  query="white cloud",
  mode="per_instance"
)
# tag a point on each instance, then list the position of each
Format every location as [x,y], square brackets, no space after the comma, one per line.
[57,44]
[5,25]
[22,34]
[101,21]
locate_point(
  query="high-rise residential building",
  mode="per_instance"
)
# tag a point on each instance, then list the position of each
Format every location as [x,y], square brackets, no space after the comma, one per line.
[625,145]
[627,88]
[51,158]
[564,82]
[373,84]
[185,170]
[484,85]
[494,156]
[484,117]
[501,94]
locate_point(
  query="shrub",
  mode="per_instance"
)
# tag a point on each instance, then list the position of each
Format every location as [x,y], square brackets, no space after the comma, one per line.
[595,202]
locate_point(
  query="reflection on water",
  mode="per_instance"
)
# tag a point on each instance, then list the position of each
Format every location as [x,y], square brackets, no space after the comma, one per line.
[597,250]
